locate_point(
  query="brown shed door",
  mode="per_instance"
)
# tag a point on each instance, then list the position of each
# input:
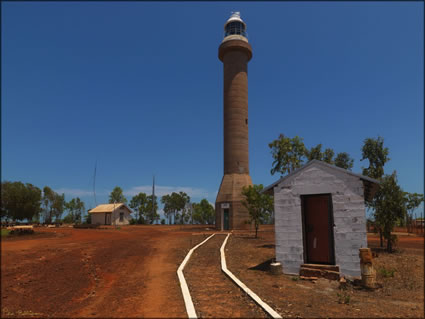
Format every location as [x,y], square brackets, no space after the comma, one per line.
[317,229]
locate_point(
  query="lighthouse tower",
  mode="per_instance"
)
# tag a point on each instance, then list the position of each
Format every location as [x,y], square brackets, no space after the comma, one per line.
[234,52]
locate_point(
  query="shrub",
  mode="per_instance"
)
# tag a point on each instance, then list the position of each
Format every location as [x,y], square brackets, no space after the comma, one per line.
[21,232]
[162,221]
[386,273]
[343,298]
[86,225]
[5,232]
[141,221]
[68,219]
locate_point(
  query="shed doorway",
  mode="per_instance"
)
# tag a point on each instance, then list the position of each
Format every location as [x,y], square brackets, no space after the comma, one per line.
[107,219]
[318,229]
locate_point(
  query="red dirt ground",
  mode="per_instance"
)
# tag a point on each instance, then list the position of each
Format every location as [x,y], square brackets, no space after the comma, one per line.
[404,241]
[127,272]
[131,272]
[401,276]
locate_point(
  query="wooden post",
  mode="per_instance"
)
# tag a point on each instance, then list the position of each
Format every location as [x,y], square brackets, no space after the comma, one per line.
[367,271]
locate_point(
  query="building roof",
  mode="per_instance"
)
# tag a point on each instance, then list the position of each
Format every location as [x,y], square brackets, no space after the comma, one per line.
[107,208]
[370,185]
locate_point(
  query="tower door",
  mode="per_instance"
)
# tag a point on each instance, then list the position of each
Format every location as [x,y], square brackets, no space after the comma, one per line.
[226,219]
[318,230]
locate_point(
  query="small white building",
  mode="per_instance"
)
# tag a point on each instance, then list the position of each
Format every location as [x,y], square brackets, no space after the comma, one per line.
[320,218]
[111,214]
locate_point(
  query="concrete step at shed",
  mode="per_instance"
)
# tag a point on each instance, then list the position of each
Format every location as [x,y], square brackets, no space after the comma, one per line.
[317,272]
[320,266]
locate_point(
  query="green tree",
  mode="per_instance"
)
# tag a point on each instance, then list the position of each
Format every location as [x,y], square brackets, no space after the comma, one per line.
[75,207]
[68,219]
[88,218]
[151,214]
[117,196]
[259,205]
[287,153]
[47,200]
[54,204]
[19,201]
[315,153]
[139,203]
[203,213]
[81,208]
[58,206]
[374,151]
[168,207]
[413,201]
[182,203]
[142,204]
[290,153]
[390,205]
[175,203]
[344,160]
[328,155]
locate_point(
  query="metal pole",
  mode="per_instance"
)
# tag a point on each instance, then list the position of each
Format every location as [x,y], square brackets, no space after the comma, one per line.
[191,213]
[153,199]
[415,225]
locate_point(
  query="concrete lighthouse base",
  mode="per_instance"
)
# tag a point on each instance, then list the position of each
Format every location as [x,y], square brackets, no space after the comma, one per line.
[229,211]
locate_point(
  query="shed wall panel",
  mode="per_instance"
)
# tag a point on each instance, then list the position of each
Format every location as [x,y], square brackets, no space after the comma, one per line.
[98,218]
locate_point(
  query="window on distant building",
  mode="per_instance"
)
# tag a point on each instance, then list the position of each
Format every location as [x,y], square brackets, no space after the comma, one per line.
[121,217]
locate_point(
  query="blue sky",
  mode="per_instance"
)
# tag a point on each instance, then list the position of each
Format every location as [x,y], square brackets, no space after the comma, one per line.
[137,87]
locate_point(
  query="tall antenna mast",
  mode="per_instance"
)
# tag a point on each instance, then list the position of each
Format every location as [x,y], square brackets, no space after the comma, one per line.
[153,197]
[94,184]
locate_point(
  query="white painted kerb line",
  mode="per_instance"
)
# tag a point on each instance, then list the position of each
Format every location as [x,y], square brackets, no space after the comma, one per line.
[250,293]
[190,309]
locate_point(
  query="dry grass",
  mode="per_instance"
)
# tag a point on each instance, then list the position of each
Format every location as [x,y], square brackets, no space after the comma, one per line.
[400,275]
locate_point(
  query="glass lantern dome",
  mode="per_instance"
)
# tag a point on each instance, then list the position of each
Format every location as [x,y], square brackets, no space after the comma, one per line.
[235,26]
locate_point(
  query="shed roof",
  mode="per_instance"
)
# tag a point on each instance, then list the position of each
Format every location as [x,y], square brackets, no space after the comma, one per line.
[107,208]
[370,184]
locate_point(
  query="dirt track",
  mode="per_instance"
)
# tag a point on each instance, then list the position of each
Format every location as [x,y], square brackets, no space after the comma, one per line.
[128,272]
[214,295]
